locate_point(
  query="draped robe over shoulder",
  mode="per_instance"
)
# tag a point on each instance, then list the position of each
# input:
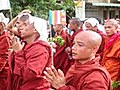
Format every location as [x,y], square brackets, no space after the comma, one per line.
[111,57]
[27,67]
[4,46]
[88,76]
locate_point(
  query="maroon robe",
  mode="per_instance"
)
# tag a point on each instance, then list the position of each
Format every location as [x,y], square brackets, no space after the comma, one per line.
[61,59]
[88,76]
[27,67]
[101,48]
[4,46]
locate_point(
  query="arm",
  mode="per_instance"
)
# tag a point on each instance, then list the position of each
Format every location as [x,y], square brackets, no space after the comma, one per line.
[32,62]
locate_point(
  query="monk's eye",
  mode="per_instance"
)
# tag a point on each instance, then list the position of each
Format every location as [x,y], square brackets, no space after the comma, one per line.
[80,44]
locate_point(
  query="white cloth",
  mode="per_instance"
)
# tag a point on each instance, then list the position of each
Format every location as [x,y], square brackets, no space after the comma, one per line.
[94,22]
[4,19]
[41,26]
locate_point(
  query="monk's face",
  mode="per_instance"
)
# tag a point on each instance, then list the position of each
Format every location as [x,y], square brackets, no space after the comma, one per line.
[58,27]
[82,49]
[89,26]
[22,24]
[110,28]
[28,31]
[72,25]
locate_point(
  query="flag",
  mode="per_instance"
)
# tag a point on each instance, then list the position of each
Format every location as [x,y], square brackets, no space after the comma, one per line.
[57,17]
[4,4]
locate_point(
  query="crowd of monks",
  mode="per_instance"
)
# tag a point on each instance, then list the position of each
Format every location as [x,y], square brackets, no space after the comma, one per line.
[87,60]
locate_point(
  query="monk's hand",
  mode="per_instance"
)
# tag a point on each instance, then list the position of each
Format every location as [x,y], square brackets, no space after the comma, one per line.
[25,11]
[16,44]
[56,78]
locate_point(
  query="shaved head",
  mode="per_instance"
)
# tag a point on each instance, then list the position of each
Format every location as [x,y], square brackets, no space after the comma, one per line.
[91,38]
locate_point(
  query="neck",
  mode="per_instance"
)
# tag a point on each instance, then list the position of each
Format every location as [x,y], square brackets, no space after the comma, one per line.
[30,39]
[76,30]
[86,60]
[58,33]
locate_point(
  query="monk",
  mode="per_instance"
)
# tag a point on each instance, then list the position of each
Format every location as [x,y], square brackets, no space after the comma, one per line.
[61,63]
[111,60]
[76,26]
[30,57]
[4,46]
[86,73]
[93,25]
[14,25]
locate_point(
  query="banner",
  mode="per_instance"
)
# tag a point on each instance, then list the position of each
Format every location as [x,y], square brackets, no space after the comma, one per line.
[57,17]
[4,4]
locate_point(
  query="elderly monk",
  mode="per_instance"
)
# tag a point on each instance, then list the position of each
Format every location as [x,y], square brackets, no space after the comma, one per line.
[111,55]
[93,25]
[30,58]
[86,73]
[4,46]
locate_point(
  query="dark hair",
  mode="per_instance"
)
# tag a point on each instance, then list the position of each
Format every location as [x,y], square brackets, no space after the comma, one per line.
[76,21]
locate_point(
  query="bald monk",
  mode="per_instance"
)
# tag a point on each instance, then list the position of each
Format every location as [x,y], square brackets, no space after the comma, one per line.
[86,73]
[30,58]
[93,25]
[111,54]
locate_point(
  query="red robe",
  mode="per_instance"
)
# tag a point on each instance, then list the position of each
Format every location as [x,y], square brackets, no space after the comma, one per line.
[61,59]
[4,46]
[27,67]
[88,76]
[101,49]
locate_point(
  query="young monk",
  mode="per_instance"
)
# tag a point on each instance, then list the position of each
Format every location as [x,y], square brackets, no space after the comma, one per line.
[30,58]
[4,46]
[86,73]
[111,54]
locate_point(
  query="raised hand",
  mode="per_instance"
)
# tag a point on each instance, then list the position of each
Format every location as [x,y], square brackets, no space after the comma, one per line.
[56,78]
[16,44]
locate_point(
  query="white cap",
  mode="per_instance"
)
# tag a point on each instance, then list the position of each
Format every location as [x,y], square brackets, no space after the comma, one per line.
[41,26]
[3,19]
[93,21]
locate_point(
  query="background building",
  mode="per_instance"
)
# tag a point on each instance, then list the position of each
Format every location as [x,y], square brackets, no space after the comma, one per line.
[101,9]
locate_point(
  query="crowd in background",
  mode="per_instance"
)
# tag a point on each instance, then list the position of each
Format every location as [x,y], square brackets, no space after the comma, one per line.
[82,55]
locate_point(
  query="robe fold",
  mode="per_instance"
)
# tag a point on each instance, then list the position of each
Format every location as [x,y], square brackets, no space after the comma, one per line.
[111,57]
[61,58]
[27,67]
[4,46]
[88,76]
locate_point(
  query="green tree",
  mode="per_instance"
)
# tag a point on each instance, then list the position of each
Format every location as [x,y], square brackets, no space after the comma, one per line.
[41,7]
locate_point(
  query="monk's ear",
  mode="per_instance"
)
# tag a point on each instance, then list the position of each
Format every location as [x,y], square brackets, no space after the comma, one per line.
[95,49]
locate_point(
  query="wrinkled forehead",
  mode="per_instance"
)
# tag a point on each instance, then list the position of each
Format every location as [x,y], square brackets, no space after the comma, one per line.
[23,22]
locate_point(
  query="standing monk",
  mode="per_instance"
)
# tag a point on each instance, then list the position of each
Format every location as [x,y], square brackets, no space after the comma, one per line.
[60,57]
[93,25]
[111,55]
[86,73]
[30,58]
[4,46]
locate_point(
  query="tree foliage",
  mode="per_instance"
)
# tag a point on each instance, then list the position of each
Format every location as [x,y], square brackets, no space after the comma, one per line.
[41,7]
